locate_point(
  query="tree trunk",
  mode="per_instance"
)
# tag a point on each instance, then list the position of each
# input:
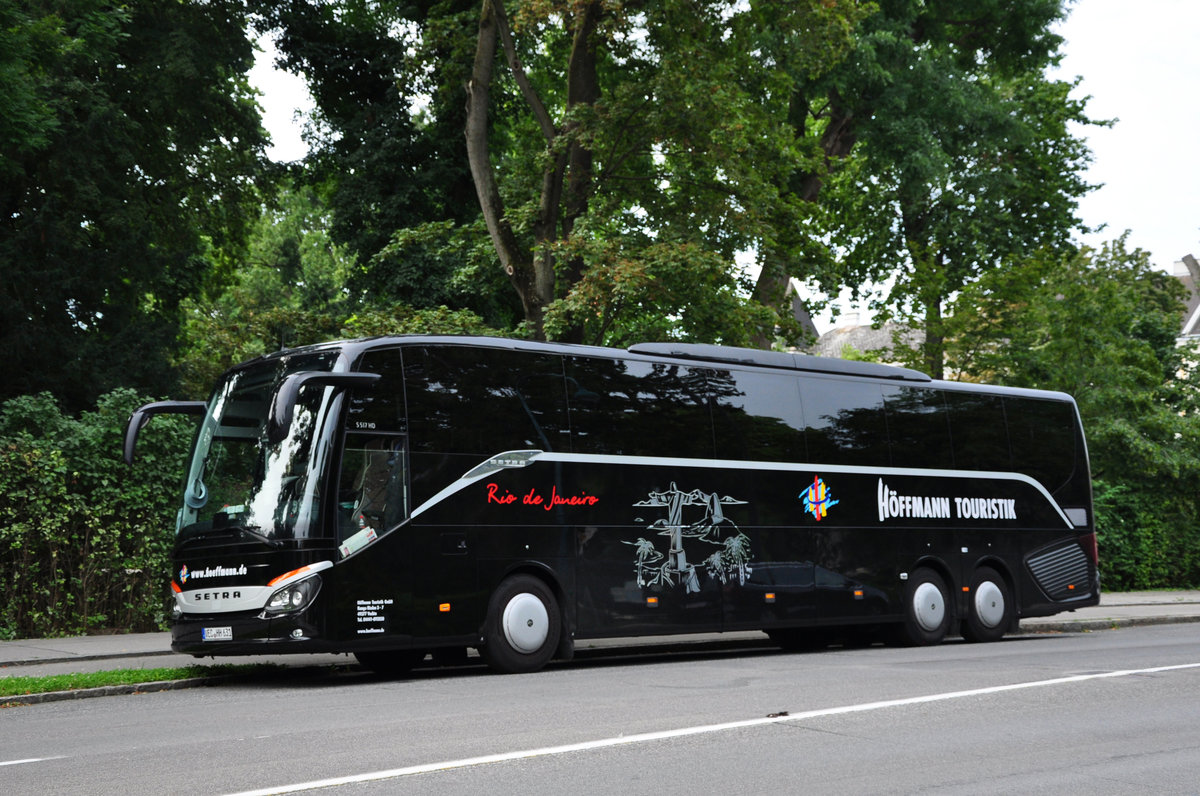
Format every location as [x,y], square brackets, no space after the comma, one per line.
[532,272]
[934,349]
[583,88]
[516,261]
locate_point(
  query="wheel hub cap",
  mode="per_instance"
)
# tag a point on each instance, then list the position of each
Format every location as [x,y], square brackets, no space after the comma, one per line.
[989,604]
[526,623]
[929,606]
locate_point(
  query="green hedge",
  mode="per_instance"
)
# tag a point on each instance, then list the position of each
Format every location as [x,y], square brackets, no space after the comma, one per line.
[84,540]
[1147,541]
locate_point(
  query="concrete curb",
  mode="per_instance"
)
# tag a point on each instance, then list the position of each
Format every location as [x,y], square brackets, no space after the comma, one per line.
[1101,623]
[17,700]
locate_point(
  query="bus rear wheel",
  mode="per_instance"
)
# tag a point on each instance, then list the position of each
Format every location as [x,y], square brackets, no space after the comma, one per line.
[523,626]
[991,607]
[926,608]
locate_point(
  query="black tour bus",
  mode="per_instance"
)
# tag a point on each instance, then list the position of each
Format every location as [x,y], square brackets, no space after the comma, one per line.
[400,496]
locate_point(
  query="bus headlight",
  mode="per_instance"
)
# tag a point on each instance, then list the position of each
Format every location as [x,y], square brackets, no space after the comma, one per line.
[293,597]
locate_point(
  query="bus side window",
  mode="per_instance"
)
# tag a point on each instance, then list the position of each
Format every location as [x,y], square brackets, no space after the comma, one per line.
[381,407]
[634,408]
[845,422]
[757,416]
[1042,434]
[918,427]
[373,486]
[373,491]
[482,402]
[979,432]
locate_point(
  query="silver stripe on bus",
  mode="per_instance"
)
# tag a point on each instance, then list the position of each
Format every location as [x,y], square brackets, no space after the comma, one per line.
[525,458]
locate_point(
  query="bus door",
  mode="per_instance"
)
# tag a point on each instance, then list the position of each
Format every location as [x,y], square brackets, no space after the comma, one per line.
[375,577]
[375,573]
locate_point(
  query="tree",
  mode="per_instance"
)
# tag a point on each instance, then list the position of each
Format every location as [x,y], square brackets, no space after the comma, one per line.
[943,148]
[127,167]
[1101,326]
[295,287]
[288,290]
[640,129]
[386,133]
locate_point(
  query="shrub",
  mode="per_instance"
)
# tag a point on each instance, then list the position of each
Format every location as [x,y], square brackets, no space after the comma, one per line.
[1147,541]
[84,540]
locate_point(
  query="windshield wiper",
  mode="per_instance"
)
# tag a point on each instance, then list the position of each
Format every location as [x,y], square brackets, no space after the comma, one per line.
[252,531]
[255,532]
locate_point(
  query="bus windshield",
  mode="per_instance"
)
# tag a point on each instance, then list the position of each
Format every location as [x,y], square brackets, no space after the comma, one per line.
[239,481]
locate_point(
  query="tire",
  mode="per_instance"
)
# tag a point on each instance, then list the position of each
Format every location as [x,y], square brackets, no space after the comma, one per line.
[390,663]
[990,612]
[927,609]
[523,627]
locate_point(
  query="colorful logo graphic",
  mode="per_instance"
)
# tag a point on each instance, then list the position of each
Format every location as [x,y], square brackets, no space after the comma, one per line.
[817,499]
[183,575]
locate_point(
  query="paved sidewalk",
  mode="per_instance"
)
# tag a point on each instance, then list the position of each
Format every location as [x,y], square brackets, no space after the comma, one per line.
[153,650]
[1123,609]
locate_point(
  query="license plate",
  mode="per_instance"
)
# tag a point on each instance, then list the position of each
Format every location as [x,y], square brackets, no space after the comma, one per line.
[216,634]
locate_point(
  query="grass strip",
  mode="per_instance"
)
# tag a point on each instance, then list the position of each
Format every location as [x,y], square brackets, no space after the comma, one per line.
[19,686]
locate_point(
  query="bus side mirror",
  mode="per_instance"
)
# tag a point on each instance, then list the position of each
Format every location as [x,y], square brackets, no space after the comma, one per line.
[284,405]
[141,416]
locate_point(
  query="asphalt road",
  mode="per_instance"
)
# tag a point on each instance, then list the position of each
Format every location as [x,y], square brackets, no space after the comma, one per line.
[1103,712]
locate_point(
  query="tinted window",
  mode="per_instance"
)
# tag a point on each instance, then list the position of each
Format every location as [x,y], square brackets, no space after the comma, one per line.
[1042,434]
[757,416]
[979,432]
[637,408]
[373,488]
[484,401]
[845,422]
[918,428]
[381,406]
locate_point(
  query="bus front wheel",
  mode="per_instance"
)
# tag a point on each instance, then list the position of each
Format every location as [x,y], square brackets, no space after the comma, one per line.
[927,608]
[523,626]
[990,609]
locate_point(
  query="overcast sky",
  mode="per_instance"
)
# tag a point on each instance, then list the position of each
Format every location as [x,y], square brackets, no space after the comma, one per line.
[1139,64]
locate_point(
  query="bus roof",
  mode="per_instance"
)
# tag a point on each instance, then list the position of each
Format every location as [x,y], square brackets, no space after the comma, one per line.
[694,352]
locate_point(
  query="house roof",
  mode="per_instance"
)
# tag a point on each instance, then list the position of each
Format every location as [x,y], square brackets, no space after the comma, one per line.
[863,338]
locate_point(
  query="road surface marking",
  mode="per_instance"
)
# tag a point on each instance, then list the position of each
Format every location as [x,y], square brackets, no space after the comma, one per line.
[645,737]
[29,760]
